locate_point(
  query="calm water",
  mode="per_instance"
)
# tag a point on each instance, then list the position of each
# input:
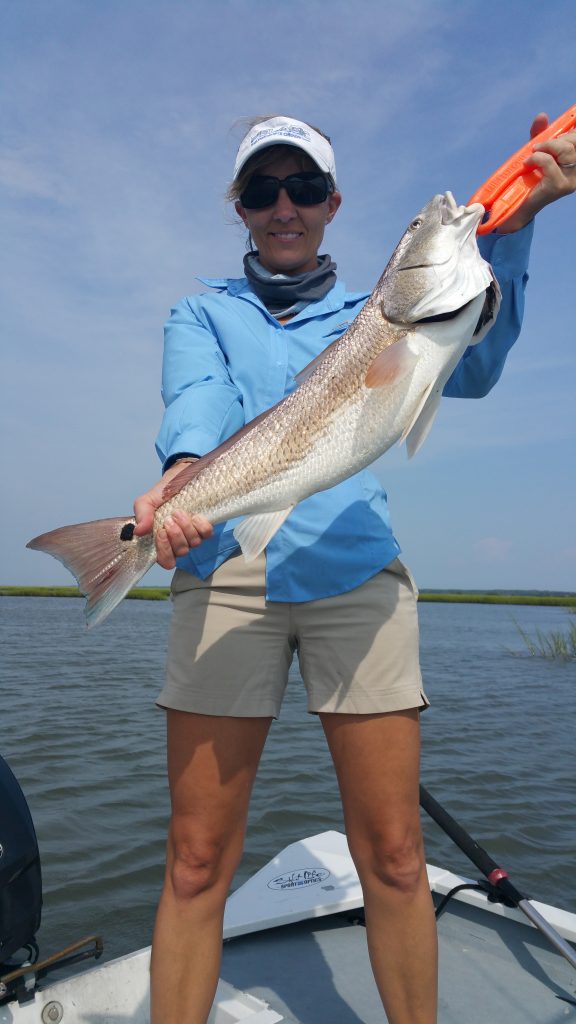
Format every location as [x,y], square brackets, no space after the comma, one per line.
[80,731]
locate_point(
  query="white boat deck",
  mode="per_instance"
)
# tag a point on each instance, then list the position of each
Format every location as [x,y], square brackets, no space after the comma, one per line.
[317,972]
[495,968]
[296,952]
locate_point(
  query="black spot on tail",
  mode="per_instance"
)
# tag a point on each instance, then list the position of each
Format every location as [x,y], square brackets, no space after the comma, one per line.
[127,531]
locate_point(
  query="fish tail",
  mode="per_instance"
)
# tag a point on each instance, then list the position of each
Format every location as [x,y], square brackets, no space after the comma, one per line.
[104,556]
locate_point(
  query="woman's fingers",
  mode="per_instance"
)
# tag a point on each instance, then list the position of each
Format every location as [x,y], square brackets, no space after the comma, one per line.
[144,509]
[558,174]
[556,161]
[186,531]
[178,533]
[563,148]
[539,123]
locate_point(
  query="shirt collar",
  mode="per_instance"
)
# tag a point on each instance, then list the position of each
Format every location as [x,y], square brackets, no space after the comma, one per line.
[332,302]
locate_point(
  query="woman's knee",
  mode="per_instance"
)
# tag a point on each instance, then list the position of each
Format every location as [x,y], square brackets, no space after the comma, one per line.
[396,861]
[198,865]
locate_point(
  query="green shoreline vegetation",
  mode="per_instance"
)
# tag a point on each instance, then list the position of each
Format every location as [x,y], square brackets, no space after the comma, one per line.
[138,594]
[563,600]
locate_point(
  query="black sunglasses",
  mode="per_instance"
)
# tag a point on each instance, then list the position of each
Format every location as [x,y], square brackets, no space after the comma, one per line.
[308,188]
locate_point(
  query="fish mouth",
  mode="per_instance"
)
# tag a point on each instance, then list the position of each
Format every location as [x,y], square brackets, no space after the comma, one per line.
[451,212]
[446,270]
[466,220]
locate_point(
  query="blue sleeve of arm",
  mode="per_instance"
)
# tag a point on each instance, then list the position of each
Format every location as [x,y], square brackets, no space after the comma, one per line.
[481,365]
[203,405]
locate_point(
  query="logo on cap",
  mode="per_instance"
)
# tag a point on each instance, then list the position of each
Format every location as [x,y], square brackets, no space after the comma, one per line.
[284,132]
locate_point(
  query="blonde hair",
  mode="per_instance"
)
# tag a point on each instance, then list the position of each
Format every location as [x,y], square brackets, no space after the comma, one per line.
[236,187]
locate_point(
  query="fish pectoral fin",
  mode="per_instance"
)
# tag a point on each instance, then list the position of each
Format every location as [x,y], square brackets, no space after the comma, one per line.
[391,365]
[417,430]
[255,532]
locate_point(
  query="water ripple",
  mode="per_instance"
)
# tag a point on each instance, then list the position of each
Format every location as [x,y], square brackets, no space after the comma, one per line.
[81,732]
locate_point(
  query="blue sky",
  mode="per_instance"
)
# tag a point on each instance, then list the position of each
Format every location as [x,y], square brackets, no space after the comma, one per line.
[116,148]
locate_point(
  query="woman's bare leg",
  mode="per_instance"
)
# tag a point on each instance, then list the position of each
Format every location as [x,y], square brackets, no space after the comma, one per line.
[377,763]
[212,763]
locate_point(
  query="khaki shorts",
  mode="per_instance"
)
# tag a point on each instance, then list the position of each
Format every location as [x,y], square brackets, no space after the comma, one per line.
[230,650]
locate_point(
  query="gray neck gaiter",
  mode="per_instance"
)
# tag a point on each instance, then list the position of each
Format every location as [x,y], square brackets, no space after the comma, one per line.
[281,293]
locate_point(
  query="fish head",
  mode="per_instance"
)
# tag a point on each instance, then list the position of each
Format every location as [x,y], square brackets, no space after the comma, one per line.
[436,268]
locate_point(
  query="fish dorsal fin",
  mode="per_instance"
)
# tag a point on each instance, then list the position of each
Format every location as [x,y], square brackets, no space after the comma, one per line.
[392,365]
[309,369]
[186,474]
[416,432]
[255,532]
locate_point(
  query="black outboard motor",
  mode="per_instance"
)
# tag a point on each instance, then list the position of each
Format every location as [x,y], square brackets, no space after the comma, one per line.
[21,902]
[20,875]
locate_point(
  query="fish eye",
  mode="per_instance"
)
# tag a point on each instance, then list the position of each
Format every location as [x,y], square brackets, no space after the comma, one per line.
[415,224]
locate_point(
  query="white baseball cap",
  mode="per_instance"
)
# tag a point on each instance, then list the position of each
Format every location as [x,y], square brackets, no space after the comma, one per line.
[285,131]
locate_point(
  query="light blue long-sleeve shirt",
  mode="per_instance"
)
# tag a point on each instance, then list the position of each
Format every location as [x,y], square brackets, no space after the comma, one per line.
[227,359]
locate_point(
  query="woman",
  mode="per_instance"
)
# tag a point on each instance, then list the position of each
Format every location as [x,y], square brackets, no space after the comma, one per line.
[331,585]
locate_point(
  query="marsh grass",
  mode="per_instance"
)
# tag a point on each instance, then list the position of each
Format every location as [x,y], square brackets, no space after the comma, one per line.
[449,597]
[555,645]
[498,597]
[138,594]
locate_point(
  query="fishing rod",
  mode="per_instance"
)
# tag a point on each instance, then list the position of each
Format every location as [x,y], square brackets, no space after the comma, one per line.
[497,876]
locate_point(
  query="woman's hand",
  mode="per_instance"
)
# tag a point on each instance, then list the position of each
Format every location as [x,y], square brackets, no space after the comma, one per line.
[179,533]
[556,159]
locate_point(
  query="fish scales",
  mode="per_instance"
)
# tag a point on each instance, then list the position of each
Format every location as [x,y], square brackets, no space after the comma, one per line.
[381,381]
[261,462]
